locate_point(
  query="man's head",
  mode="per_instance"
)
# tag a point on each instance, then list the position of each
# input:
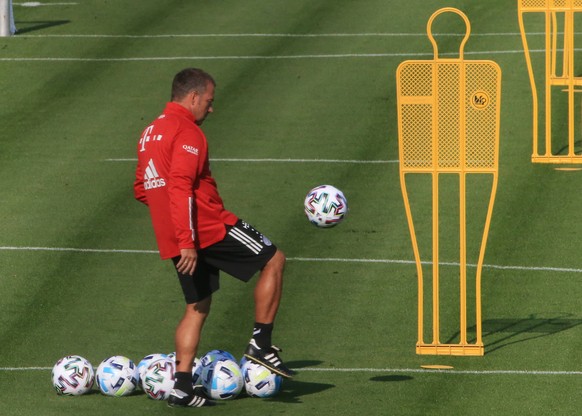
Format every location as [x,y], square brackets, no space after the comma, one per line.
[193,89]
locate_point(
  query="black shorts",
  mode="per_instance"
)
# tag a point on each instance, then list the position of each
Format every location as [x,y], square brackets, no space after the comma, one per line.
[242,253]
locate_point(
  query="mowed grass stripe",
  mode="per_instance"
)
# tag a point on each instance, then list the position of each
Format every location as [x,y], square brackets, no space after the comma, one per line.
[278,160]
[270,35]
[263,57]
[301,259]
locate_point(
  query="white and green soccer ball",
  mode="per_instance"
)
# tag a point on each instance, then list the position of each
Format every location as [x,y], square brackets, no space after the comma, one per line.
[260,381]
[117,376]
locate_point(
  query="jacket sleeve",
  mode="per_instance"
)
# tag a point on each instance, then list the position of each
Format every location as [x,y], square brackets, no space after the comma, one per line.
[138,188]
[182,179]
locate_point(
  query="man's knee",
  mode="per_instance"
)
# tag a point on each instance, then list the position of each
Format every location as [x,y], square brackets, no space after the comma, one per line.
[201,307]
[277,262]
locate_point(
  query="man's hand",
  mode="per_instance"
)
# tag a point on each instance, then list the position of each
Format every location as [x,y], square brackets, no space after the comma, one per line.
[187,262]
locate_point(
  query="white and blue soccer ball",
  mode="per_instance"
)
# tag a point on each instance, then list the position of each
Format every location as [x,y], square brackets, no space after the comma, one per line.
[117,376]
[196,372]
[72,375]
[145,362]
[214,355]
[325,206]
[223,380]
[208,360]
[158,379]
[260,381]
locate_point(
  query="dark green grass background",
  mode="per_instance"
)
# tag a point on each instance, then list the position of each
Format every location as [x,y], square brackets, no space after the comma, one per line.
[348,327]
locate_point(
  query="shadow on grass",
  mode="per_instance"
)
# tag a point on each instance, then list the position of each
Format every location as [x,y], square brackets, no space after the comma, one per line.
[577,149]
[94,390]
[31,26]
[292,390]
[500,333]
[391,378]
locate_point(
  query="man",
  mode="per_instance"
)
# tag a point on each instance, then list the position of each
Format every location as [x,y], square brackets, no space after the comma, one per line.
[193,228]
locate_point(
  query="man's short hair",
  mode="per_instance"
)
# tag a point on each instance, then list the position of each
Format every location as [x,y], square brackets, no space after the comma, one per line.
[188,80]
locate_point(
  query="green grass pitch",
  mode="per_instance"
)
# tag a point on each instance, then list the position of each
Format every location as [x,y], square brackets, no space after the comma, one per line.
[298,81]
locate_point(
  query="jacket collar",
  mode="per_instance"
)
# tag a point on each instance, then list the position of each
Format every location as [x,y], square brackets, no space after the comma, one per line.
[177,109]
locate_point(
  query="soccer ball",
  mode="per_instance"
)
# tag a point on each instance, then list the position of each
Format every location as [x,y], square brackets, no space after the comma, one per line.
[212,356]
[196,372]
[146,361]
[196,367]
[72,376]
[260,381]
[325,206]
[223,380]
[117,376]
[207,362]
[158,379]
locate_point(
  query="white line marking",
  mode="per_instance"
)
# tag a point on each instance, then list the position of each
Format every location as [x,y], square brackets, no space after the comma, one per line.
[79,250]
[303,259]
[452,264]
[388,370]
[461,372]
[263,57]
[278,160]
[39,4]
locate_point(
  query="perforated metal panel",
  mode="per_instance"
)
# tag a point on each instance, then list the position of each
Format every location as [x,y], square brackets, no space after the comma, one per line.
[441,103]
[555,5]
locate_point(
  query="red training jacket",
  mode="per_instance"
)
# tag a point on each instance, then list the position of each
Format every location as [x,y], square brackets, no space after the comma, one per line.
[173,179]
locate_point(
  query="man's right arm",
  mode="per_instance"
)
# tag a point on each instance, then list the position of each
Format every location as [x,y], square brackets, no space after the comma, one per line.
[138,188]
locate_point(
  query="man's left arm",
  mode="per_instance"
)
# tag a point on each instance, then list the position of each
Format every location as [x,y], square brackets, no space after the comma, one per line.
[182,177]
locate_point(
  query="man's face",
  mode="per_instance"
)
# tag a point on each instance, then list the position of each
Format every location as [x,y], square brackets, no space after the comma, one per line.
[202,104]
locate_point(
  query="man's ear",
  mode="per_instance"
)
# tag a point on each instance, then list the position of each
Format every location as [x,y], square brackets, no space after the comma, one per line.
[190,100]
[193,97]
